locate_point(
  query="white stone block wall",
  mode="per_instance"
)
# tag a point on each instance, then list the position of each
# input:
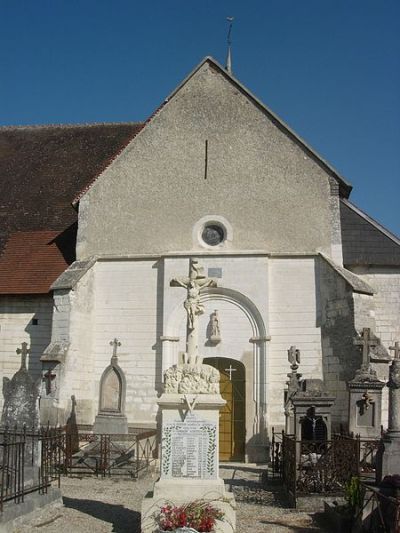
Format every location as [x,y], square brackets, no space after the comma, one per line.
[292,321]
[386,313]
[73,322]
[16,314]
[340,357]
[127,307]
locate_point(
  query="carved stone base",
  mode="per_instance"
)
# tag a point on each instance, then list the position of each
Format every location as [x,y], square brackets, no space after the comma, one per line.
[107,423]
[179,493]
[388,459]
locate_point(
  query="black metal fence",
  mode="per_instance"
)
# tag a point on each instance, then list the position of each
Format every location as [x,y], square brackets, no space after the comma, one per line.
[30,460]
[382,511]
[321,467]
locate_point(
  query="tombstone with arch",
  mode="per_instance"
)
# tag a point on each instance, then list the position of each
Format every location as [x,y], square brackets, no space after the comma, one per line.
[111,416]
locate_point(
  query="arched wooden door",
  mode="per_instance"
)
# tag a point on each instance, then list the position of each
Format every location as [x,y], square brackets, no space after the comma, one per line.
[232,422]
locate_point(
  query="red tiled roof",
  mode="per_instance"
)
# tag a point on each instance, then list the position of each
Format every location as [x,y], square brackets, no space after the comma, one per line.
[30,263]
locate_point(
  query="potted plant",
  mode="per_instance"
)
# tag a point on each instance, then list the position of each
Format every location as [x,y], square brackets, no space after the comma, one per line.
[195,517]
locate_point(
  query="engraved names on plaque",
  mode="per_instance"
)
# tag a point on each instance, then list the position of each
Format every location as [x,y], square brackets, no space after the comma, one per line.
[189,449]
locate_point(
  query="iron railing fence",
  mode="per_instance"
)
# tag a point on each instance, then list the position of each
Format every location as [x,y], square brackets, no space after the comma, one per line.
[276,452]
[367,453]
[321,467]
[109,454]
[29,461]
[383,511]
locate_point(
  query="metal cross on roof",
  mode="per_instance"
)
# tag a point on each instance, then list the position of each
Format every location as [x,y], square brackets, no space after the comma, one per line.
[396,350]
[24,352]
[366,341]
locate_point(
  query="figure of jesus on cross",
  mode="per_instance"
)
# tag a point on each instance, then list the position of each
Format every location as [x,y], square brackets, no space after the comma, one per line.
[193,284]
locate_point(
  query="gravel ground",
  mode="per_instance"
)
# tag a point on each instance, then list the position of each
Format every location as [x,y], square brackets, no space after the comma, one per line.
[113,505]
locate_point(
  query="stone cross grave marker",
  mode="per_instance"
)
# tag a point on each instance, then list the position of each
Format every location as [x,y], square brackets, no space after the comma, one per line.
[115,344]
[24,351]
[366,341]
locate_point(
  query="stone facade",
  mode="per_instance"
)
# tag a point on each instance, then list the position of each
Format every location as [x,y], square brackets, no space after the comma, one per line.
[212,154]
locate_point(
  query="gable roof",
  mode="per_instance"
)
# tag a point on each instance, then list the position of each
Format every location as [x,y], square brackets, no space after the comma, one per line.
[42,168]
[365,241]
[344,186]
[31,261]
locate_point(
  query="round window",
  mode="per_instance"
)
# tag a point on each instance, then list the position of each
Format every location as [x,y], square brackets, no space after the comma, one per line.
[213,234]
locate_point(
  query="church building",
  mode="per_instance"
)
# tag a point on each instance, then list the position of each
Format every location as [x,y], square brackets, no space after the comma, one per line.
[97,220]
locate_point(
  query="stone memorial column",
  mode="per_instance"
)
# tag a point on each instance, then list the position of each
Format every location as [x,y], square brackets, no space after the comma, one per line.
[365,391]
[390,450]
[190,409]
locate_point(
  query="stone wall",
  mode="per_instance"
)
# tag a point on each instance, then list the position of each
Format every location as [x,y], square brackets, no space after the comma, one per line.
[127,307]
[336,319]
[292,321]
[386,315]
[275,196]
[18,315]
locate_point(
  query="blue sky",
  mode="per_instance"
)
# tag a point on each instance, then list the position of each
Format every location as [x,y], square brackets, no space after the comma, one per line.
[329,68]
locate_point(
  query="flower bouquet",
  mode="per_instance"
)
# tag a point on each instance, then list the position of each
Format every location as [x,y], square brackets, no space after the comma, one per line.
[194,517]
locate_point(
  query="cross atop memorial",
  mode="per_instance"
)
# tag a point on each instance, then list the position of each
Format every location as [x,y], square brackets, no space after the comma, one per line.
[24,351]
[115,344]
[194,283]
[366,340]
[396,350]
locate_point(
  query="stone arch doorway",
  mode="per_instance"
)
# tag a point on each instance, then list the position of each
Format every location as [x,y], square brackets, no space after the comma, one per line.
[232,426]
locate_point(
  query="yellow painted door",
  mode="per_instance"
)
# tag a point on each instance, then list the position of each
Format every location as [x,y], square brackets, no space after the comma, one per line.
[226,419]
[232,421]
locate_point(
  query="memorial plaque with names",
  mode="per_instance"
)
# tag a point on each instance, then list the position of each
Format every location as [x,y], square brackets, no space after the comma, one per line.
[189,449]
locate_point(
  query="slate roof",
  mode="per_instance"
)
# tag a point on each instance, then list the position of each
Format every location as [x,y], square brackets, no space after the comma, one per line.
[30,262]
[365,241]
[42,169]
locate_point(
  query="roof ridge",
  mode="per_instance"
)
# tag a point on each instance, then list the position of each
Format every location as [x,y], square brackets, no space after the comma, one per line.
[66,126]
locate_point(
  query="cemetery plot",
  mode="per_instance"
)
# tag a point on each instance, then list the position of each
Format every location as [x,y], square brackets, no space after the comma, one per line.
[111,454]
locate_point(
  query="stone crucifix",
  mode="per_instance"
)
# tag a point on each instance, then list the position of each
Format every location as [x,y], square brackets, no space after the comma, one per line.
[24,351]
[193,284]
[366,341]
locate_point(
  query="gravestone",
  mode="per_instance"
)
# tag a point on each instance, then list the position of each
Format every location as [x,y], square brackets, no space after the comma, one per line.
[111,418]
[190,407]
[312,408]
[21,396]
[365,391]
[389,457]
[21,408]
[71,430]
